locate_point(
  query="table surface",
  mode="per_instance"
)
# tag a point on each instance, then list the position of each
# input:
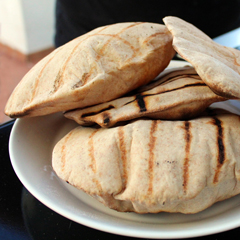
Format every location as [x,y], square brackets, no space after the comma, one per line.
[23,217]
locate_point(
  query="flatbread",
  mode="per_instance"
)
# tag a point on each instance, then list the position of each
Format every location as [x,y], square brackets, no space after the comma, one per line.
[149,166]
[93,68]
[218,66]
[178,94]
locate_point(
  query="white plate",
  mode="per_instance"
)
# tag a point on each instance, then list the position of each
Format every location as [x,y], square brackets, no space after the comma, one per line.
[30,146]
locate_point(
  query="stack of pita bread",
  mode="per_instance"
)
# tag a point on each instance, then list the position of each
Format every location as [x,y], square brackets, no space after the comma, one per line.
[147,140]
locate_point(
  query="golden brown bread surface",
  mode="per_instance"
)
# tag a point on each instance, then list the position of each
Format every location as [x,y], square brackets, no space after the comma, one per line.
[93,68]
[178,94]
[217,65]
[152,165]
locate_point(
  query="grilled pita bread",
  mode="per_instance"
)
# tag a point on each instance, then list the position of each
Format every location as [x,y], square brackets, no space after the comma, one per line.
[178,94]
[218,66]
[149,166]
[93,68]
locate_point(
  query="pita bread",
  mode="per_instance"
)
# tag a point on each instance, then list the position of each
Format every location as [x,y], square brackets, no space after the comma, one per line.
[179,94]
[149,166]
[218,66]
[93,68]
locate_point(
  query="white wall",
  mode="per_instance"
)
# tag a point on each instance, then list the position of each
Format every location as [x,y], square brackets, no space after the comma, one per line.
[27,25]
[12,29]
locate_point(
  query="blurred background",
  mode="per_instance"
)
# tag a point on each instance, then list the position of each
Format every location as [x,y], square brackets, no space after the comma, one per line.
[29,30]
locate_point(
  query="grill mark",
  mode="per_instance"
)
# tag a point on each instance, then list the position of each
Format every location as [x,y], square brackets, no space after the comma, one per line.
[133,25]
[40,75]
[140,102]
[151,145]
[98,185]
[119,38]
[103,28]
[168,77]
[59,79]
[175,89]
[91,151]
[97,112]
[123,153]
[153,35]
[188,139]
[82,81]
[236,62]
[220,147]
[63,151]
[110,39]
[140,97]
[106,118]
[93,161]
